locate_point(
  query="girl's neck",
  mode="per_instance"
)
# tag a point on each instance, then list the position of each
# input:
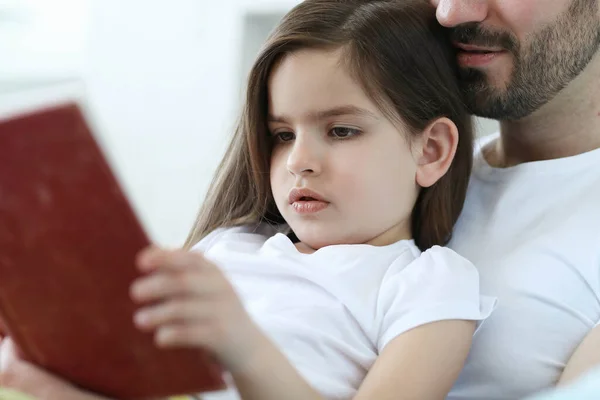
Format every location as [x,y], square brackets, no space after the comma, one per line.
[391,236]
[304,249]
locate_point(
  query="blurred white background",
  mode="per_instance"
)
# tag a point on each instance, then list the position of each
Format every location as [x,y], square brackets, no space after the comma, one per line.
[163,81]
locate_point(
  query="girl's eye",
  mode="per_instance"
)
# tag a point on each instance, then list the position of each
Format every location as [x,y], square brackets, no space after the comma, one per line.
[284,136]
[344,132]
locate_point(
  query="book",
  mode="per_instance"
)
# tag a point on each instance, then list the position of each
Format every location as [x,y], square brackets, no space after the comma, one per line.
[68,241]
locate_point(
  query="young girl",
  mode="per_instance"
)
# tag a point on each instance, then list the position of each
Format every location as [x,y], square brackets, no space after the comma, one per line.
[316,269]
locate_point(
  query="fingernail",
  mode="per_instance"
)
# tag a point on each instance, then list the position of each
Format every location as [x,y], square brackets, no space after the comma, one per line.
[135,292]
[143,262]
[141,318]
[162,337]
[144,258]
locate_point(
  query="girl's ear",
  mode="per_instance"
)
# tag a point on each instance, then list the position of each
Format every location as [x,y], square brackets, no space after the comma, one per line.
[435,152]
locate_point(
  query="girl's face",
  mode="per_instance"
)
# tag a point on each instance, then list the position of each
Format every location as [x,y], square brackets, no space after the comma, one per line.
[330,139]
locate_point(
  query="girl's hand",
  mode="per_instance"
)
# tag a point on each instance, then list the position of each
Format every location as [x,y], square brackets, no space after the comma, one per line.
[19,375]
[194,305]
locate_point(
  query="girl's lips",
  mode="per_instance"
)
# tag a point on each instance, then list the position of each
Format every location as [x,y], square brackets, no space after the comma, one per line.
[305,207]
[304,194]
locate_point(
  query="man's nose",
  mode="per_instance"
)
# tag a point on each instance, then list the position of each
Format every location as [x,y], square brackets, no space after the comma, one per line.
[451,13]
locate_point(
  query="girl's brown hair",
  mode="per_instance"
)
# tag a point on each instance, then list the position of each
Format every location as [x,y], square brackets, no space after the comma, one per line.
[403,59]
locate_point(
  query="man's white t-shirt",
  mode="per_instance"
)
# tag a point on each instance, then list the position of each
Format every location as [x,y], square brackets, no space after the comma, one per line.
[533,232]
[332,312]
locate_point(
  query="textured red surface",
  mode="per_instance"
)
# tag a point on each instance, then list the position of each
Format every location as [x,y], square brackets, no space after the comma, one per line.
[68,239]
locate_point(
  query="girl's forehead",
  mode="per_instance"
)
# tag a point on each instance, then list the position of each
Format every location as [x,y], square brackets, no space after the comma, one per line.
[312,83]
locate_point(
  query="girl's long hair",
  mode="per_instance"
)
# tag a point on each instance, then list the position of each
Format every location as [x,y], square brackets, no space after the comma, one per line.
[404,61]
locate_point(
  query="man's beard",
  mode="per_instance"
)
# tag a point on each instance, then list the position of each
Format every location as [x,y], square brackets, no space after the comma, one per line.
[552,59]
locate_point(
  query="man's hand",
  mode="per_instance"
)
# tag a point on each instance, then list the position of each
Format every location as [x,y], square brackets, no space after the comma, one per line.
[19,375]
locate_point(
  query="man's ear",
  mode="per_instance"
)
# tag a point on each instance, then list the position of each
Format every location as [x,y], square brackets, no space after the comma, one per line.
[435,152]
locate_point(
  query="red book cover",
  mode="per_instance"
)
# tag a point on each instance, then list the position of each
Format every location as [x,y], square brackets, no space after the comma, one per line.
[68,240]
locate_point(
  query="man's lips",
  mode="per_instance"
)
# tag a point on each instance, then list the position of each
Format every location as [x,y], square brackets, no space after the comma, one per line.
[472,48]
[477,56]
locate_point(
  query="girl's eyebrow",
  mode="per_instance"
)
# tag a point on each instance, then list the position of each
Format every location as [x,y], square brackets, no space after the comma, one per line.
[333,112]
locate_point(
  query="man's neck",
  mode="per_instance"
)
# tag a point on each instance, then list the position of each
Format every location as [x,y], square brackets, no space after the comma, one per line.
[568,125]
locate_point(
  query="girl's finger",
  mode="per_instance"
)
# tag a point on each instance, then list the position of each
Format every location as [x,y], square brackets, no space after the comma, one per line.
[154,258]
[159,286]
[182,336]
[164,285]
[143,260]
[175,311]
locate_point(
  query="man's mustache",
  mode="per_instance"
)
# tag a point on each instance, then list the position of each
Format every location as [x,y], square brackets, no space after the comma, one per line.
[474,34]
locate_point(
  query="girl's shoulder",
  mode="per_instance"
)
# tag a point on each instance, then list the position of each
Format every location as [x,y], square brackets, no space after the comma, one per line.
[435,260]
[438,284]
[444,260]
[434,271]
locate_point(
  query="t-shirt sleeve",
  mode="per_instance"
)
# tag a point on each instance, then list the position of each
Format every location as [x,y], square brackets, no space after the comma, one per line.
[438,285]
[236,233]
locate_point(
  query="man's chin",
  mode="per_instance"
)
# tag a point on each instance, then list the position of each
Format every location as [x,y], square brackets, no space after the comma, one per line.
[485,100]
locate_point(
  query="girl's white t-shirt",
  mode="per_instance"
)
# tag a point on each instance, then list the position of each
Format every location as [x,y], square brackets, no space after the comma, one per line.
[332,312]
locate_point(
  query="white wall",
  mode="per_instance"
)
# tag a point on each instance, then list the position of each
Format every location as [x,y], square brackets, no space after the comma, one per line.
[163,81]
[159,76]
[40,41]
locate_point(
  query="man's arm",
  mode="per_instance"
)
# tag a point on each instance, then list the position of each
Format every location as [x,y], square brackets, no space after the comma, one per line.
[584,359]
